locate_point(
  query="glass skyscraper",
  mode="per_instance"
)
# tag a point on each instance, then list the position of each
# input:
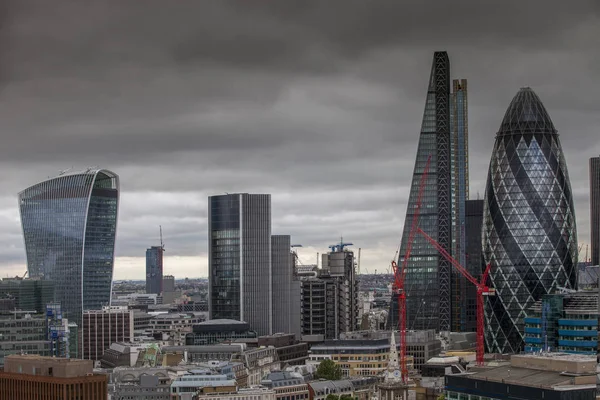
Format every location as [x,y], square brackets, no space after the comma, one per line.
[529,233]
[69,226]
[240,275]
[459,150]
[429,275]
[154,269]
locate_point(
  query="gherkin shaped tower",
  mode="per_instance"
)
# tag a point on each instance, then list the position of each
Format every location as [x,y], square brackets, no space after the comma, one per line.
[529,233]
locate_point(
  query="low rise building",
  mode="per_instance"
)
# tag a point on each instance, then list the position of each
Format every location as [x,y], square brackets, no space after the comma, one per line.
[564,322]
[23,332]
[258,393]
[101,328]
[197,354]
[29,377]
[258,362]
[551,376]
[287,385]
[319,390]
[217,331]
[140,384]
[289,350]
[356,357]
[187,386]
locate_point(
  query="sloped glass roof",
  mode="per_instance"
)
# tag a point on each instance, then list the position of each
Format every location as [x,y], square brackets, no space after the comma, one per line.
[526,114]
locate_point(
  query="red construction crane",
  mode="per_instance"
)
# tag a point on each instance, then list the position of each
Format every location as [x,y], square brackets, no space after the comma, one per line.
[400,275]
[482,290]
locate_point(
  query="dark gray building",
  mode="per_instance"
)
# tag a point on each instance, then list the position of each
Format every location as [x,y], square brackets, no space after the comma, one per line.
[429,275]
[69,225]
[28,294]
[473,263]
[529,229]
[595,209]
[154,269]
[216,331]
[239,252]
[286,287]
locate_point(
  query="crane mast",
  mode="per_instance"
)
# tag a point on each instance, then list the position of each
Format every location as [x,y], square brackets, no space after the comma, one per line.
[400,274]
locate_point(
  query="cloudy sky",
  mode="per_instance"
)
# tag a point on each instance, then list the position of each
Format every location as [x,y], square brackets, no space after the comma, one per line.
[317,102]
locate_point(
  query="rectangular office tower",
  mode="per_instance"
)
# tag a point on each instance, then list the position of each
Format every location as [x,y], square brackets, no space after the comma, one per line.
[154,269]
[595,208]
[239,259]
[429,275]
[459,151]
[286,287]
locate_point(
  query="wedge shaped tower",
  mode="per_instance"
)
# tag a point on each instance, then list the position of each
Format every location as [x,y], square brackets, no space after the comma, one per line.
[69,225]
[428,278]
[529,234]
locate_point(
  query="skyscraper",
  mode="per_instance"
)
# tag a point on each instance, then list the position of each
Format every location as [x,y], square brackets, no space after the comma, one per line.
[473,264]
[69,225]
[529,232]
[239,259]
[428,278]
[154,269]
[286,289]
[595,208]
[460,194]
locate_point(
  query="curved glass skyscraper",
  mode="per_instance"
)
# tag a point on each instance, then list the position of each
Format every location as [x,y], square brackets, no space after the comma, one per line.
[529,233]
[69,225]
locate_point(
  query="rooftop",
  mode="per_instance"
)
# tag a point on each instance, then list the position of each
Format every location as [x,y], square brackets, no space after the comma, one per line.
[526,114]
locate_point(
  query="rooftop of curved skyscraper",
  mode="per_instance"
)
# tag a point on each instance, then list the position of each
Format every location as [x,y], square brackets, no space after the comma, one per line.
[69,227]
[526,114]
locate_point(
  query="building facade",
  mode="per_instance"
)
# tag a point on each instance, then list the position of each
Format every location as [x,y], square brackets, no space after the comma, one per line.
[473,263]
[23,332]
[595,209]
[240,273]
[329,300]
[460,194]
[103,327]
[29,294]
[69,226]
[429,275]
[154,269]
[286,293]
[217,331]
[529,232]
[563,322]
[31,377]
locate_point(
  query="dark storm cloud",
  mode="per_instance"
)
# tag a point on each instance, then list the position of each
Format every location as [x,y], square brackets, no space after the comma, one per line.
[317,102]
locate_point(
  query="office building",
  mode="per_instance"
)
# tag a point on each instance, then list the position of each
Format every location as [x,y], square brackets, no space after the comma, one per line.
[23,332]
[467,303]
[185,387]
[240,276]
[529,233]
[216,331]
[29,294]
[154,269]
[256,393]
[459,159]
[429,275]
[103,327]
[286,287]
[549,377]
[595,209]
[32,377]
[330,300]
[69,225]
[140,384]
[287,385]
[566,322]
[289,350]
[168,283]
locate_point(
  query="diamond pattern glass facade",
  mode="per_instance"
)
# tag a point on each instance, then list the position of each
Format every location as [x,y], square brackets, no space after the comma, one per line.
[428,277]
[69,225]
[529,233]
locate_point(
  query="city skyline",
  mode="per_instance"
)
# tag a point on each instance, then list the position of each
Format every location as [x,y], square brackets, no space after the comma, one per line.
[323,120]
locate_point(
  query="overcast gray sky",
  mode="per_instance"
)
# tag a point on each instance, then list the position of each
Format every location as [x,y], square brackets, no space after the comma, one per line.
[317,102]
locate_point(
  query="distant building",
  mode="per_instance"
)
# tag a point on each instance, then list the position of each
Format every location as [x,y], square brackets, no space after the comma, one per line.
[550,377]
[240,270]
[257,393]
[286,287]
[31,377]
[103,327]
[154,269]
[199,354]
[177,325]
[184,387]
[289,350]
[168,283]
[29,294]
[474,264]
[259,362]
[595,209]
[215,331]
[69,225]
[566,323]
[140,384]
[330,300]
